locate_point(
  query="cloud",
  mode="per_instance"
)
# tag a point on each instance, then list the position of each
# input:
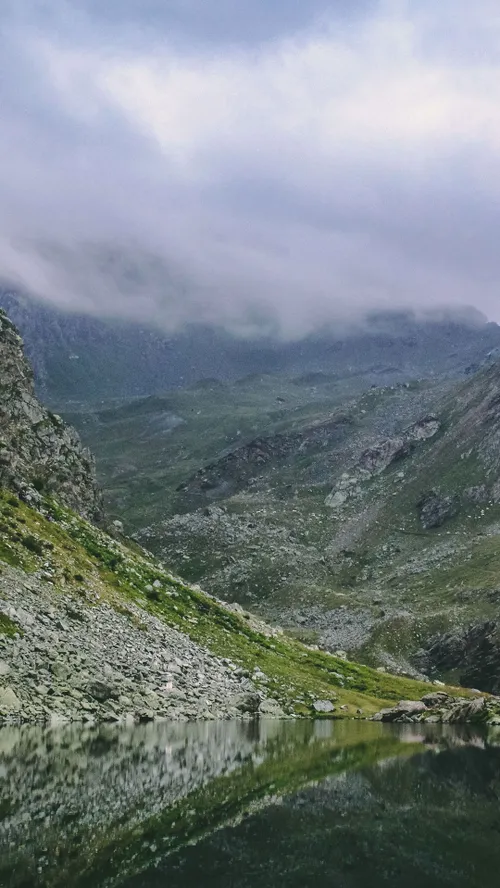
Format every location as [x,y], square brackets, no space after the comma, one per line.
[258,168]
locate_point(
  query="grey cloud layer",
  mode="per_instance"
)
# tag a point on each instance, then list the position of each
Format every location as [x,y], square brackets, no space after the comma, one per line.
[247,164]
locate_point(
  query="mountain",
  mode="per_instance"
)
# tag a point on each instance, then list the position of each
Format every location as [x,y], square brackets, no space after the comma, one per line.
[39,453]
[82,358]
[93,627]
[368,524]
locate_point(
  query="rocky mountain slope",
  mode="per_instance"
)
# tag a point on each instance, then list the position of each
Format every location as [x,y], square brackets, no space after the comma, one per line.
[39,453]
[93,627]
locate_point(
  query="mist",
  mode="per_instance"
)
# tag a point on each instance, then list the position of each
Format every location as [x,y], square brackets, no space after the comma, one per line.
[254,166]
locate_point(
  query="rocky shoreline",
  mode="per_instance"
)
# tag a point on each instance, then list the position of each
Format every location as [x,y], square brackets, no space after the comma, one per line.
[439,707]
[73,662]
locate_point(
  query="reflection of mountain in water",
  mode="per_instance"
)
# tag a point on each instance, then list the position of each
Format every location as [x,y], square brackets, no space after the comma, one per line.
[327,804]
[430,820]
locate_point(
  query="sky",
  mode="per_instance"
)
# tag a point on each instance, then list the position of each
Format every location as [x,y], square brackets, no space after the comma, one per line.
[271,166]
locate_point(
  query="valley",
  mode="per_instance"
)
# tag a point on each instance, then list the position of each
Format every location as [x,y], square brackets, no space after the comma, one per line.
[361,520]
[354,519]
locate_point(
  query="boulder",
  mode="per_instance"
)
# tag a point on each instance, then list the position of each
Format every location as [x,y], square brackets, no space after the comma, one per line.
[271,709]
[468,711]
[8,700]
[435,698]
[247,702]
[323,706]
[103,690]
[403,710]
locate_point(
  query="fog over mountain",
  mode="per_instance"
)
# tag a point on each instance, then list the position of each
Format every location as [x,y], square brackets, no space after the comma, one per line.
[261,166]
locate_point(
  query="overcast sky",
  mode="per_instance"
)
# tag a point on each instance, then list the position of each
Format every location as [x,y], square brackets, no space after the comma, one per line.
[264,164]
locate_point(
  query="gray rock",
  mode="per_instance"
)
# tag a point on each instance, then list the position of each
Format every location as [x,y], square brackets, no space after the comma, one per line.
[8,700]
[246,702]
[103,690]
[468,710]
[39,451]
[271,708]
[323,706]
[403,710]
[435,698]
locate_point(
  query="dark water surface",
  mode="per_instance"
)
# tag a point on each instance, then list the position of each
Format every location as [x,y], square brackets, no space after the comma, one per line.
[250,805]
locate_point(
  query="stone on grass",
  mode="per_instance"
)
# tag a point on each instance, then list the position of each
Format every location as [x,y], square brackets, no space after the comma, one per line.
[323,706]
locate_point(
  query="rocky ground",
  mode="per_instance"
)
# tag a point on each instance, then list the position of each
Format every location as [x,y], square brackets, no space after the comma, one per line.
[73,662]
[92,627]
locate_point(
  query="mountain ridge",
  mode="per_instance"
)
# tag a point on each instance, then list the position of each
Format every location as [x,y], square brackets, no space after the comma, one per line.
[85,358]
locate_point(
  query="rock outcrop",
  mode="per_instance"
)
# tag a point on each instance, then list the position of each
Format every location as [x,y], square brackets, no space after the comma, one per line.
[474,653]
[375,459]
[233,470]
[435,508]
[39,454]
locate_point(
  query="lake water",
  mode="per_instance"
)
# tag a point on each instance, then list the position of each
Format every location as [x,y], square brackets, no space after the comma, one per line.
[250,805]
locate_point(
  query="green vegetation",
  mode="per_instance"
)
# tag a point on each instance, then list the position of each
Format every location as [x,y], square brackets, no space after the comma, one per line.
[278,549]
[296,675]
[146,448]
[8,627]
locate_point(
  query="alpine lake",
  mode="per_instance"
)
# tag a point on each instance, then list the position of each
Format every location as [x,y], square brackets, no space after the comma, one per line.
[250,804]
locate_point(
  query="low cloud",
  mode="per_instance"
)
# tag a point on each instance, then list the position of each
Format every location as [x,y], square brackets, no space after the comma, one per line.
[269,171]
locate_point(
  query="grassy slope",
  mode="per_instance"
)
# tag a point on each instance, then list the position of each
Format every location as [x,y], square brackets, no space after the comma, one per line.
[140,466]
[84,558]
[447,576]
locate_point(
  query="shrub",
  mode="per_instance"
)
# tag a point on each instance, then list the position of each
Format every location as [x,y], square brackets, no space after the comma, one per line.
[31,543]
[153,594]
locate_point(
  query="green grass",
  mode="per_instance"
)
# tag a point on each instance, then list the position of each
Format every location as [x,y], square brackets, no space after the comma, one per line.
[281,567]
[141,463]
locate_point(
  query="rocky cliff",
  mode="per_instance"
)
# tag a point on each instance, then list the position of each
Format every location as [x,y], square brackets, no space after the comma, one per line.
[39,454]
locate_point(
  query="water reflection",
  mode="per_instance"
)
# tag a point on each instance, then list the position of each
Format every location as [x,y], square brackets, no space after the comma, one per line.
[250,804]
